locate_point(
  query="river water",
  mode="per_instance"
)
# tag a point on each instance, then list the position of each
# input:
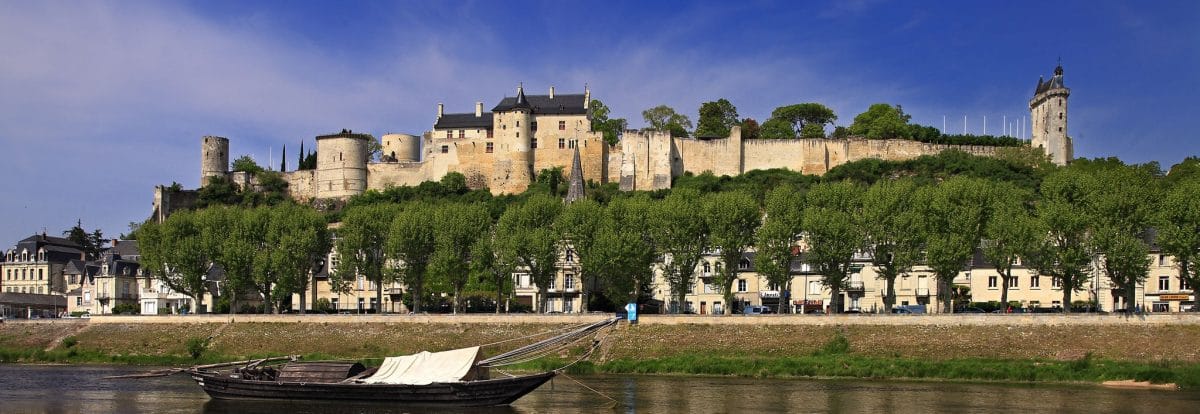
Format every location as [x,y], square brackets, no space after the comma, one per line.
[80,389]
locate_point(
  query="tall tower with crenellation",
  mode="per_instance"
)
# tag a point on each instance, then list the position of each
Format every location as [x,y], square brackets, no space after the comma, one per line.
[512,171]
[342,164]
[214,158]
[1048,111]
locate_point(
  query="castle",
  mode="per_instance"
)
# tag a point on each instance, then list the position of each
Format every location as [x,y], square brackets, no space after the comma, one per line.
[502,150]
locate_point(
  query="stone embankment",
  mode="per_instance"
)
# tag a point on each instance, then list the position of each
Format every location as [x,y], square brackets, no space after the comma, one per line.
[1024,337]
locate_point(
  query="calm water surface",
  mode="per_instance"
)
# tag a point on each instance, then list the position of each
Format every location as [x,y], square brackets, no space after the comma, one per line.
[79,389]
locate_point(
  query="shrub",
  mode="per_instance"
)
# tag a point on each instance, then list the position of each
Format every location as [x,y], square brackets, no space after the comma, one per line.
[69,342]
[838,345]
[125,309]
[196,346]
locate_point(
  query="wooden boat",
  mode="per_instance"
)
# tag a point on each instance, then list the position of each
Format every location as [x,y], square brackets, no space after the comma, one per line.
[449,378]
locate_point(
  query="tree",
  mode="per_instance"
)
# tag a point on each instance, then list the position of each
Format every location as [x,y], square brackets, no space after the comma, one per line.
[664,119]
[410,247]
[812,131]
[578,226]
[246,163]
[493,266]
[1127,264]
[91,243]
[1011,233]
[302,239]
[681,238]
[881,121]
[750,129]
[525,233]
[610,128]
[776,128]
[1064,254]
[716,118]
[805,114]
[360,248]
[891,226]
[258,227]
[1121,217]
[832,234]
[778,238]
[219,190]
[234,242]
[1178,224]
[175,254]
[732,218]
[623,253]
[458,227]
[954,213]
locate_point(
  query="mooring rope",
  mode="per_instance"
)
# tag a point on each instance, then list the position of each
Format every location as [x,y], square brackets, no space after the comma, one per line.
[544,347]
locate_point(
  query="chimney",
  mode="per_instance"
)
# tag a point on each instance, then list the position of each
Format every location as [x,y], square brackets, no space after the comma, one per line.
[441,108]
[551,92]
[115,241]
[478,109]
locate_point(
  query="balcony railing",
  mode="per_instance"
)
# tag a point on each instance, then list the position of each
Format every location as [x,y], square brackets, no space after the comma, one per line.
[854,286]
[922,291]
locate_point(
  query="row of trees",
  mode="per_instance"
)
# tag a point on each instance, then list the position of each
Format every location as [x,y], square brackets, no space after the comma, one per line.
[443,238]
[808,120]
[267,250]
[1071,224]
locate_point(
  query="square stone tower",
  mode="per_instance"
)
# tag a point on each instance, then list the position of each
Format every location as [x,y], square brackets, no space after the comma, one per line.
[1048,110]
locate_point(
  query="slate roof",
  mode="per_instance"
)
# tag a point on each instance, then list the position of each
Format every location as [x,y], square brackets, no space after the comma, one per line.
[464,121]
[1055,82]
[562,104]
[44,239]
[127,249]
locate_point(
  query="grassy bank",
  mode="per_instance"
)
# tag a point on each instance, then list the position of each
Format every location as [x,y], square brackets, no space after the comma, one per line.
[974,353]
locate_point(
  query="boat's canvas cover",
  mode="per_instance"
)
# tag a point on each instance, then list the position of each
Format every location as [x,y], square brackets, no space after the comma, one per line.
[427,368]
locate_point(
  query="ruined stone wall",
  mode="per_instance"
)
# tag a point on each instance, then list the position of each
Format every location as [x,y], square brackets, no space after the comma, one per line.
[644,161]
[395,174]
[302,184]
[593,155]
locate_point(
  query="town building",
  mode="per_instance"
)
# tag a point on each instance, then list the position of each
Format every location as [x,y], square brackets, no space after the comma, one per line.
[35,265]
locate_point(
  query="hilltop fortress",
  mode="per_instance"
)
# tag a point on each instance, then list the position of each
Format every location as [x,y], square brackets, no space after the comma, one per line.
[504,148]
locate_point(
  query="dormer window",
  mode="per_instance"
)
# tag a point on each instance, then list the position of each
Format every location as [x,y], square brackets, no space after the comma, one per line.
[744,264]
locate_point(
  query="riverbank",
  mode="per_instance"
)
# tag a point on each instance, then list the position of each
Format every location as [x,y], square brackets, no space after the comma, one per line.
[1004,350]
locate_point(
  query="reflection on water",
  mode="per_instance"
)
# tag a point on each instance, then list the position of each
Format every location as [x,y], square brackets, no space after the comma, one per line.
[75,389]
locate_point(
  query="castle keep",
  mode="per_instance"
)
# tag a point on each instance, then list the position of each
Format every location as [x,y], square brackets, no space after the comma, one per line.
[504,148]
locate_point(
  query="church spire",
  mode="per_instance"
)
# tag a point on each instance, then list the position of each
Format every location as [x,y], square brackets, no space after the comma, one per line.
[575,190]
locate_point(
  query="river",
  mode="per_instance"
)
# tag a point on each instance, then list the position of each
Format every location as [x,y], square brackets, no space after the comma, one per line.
[80,389]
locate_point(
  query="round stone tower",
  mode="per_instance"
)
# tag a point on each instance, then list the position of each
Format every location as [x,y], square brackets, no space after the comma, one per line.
[402,147]
[342,164]
[1048,111]
[214,158]
[512,171]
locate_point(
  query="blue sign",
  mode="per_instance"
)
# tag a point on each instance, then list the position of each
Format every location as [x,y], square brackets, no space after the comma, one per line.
[631,311]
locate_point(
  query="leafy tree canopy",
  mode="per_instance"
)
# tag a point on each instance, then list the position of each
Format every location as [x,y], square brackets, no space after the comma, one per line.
[664,118]
[611,128]
[246,163]
[882,121]
[716,118]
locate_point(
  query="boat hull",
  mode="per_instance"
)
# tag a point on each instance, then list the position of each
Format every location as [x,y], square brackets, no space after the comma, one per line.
[501,391]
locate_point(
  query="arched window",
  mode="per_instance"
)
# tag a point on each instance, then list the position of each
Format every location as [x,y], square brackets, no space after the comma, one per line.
[1060,115]
[707,267]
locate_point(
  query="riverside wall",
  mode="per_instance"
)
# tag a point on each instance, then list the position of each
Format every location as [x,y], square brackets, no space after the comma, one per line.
[822,320]
[1034,337]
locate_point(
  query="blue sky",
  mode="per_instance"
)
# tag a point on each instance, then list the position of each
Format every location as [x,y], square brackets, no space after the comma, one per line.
[100,101]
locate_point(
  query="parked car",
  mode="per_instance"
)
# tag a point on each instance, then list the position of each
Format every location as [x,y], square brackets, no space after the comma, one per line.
[756,310]
[969,310]
[909,309]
